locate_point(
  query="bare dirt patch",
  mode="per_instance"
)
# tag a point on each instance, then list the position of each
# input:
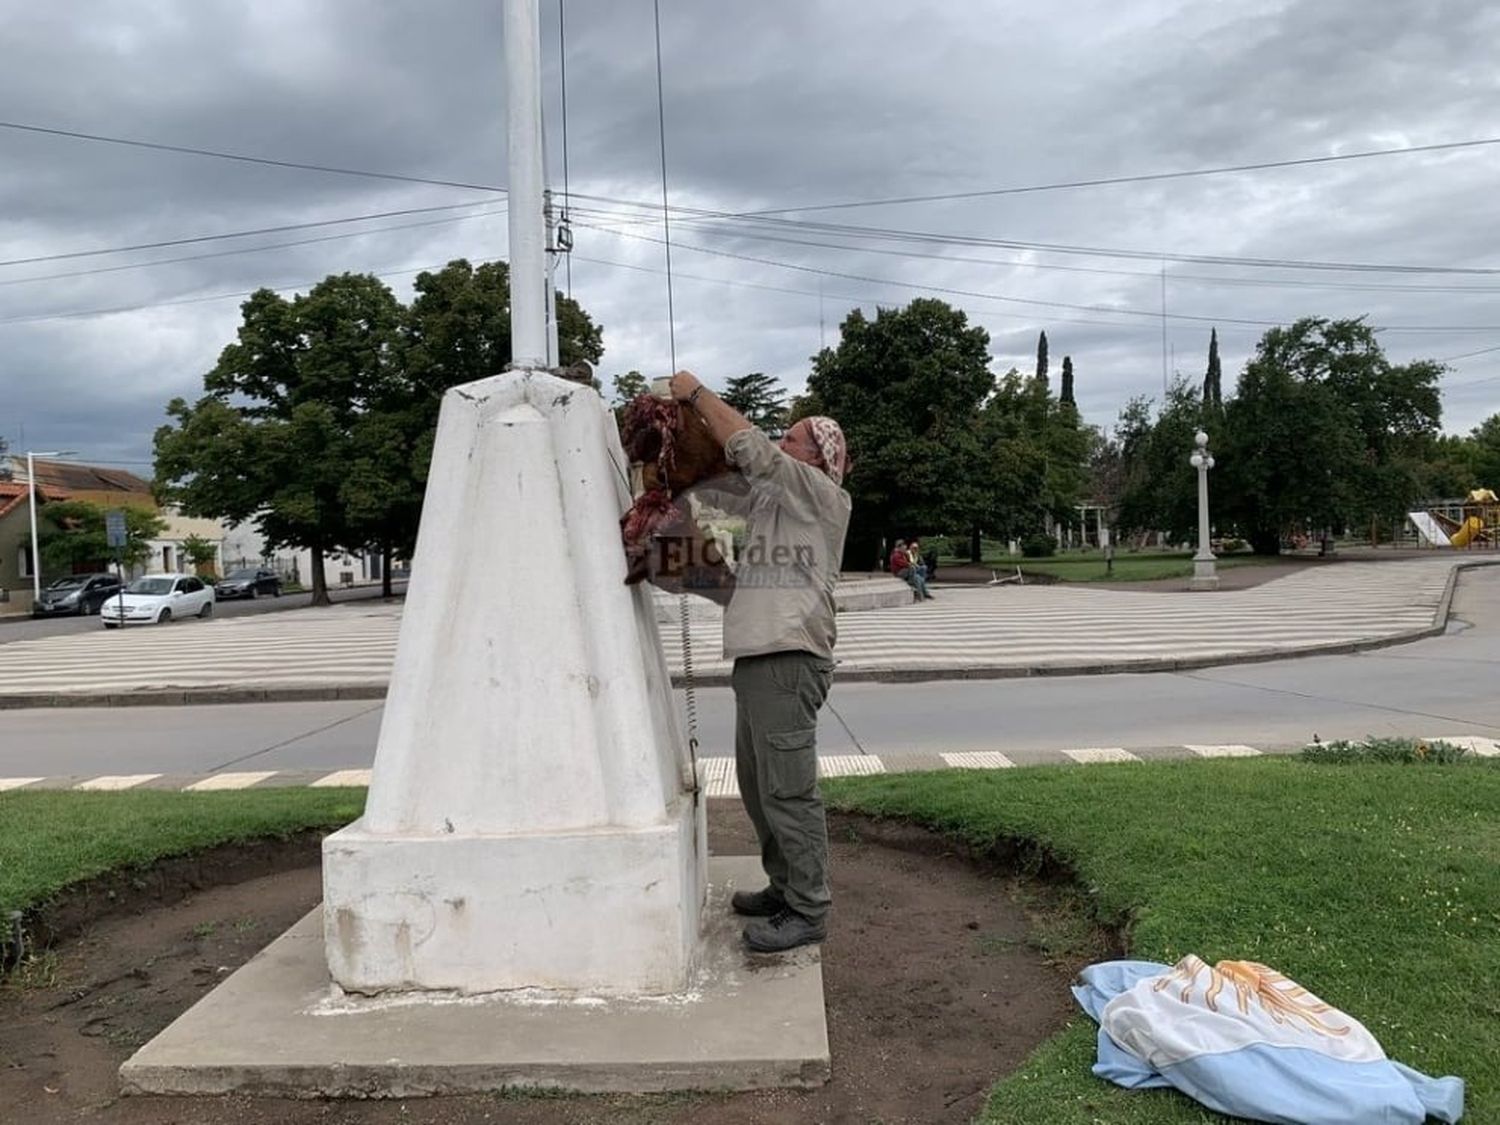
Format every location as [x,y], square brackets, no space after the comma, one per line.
[934,989]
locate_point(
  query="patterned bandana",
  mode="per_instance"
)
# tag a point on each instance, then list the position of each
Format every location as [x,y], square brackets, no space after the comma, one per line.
[831,444]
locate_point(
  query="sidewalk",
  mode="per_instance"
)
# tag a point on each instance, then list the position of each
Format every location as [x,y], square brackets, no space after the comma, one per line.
[346,651]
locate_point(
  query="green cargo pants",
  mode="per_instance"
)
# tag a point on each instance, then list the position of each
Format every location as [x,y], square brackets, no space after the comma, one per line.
[777,697]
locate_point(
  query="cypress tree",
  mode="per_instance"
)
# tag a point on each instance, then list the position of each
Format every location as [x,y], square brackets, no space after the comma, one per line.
[1213,381]
[1041,359]
[1067,380]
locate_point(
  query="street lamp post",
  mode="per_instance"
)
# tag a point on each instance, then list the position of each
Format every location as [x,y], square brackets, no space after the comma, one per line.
[1205,574]
[36,554]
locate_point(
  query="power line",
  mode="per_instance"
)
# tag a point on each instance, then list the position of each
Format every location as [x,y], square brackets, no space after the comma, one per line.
[1155,255]
[1148,177]
[249,249]
[1151,275]
[282,229]
[1022,300]
[243,158]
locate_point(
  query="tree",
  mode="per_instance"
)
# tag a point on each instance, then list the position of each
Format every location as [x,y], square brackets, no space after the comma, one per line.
[1067,382]
[1324,432]
[1486,454]
[1041,359]
[273,438]
[628,386]
[200,552]
[1158,489]
[761,399]
[1213,378]
[71,535]
[906,387]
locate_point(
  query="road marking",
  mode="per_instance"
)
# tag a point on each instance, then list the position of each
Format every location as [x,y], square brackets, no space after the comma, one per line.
[978,760]
[1229,750]
[1093,755]
[117,781]
[848,765]
[231,781]
[343,777]
[18,782]
[719,778]
[1483,747]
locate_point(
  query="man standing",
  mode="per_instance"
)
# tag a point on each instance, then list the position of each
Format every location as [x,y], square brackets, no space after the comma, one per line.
[779,631]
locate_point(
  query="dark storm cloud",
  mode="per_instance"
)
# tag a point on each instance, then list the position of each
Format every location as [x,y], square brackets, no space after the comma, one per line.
[767,106]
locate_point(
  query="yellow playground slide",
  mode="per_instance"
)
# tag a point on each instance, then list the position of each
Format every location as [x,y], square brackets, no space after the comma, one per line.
[1465,534]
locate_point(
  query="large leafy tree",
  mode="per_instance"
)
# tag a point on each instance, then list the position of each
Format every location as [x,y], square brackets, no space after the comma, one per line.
[906,387]
[1485,455]
[761,399]
[456,330]
[274,437]
[1324,432]
[1158,491]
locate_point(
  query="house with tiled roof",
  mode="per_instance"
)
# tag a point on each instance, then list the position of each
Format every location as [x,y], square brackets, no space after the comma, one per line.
[95,484]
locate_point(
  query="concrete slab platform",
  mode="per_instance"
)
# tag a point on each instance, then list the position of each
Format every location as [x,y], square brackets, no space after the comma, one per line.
[278,1027]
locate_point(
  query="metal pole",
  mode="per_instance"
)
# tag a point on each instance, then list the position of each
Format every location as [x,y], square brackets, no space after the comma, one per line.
[551,224]
[1205,570]
[528,253]
[36,555]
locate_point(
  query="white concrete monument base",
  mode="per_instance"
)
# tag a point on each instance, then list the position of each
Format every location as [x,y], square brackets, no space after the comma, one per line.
[531,819]
[278,1027]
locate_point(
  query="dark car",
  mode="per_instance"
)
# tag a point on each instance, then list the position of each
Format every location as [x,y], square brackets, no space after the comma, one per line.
[250,582]
[76,594]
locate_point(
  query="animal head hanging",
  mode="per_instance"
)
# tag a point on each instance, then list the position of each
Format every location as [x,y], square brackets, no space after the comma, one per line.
[675,450]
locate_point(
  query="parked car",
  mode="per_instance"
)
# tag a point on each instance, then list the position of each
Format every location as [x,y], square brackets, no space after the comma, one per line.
[79,594]
[251,582]
[158,598]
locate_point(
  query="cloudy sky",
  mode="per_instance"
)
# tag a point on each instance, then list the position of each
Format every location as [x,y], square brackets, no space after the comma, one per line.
[769,106]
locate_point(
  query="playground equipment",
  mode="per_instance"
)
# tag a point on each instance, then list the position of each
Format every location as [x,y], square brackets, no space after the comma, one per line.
[1471,522]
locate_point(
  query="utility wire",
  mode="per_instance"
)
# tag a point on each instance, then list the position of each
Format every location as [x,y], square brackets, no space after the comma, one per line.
[1023,300]
[249,249]
[243,158]
[282,229]
[1149,177]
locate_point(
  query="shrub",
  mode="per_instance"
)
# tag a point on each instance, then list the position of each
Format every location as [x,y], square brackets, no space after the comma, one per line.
[1408,751]
[1038,546]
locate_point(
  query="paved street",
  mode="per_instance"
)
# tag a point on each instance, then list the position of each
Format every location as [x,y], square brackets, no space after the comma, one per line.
[1443,687]
[30,628]
[980,632]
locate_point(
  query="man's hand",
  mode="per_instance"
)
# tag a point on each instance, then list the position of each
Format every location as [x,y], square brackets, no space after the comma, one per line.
[684,383]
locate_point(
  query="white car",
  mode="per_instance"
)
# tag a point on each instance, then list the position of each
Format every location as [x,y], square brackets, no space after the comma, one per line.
[158,598]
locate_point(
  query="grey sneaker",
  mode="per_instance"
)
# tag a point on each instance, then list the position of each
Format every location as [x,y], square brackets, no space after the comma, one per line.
[757,904]
[784,930]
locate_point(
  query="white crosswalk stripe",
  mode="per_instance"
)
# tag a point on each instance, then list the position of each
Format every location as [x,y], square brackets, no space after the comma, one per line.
[343,777]
[1229,750]
[964,629]
[978,760]
[231,781]
[18,782]
[849,765]
[117,781]
[1094,755]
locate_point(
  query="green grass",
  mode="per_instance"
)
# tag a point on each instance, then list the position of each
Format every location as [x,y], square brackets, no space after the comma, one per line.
[1088,565]
[51,839]
[1375,885]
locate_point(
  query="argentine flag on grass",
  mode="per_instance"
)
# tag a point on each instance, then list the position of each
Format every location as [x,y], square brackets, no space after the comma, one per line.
[1246,1041]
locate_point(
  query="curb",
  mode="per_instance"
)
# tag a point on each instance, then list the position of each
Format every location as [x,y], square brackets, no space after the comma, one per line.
[170,697]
